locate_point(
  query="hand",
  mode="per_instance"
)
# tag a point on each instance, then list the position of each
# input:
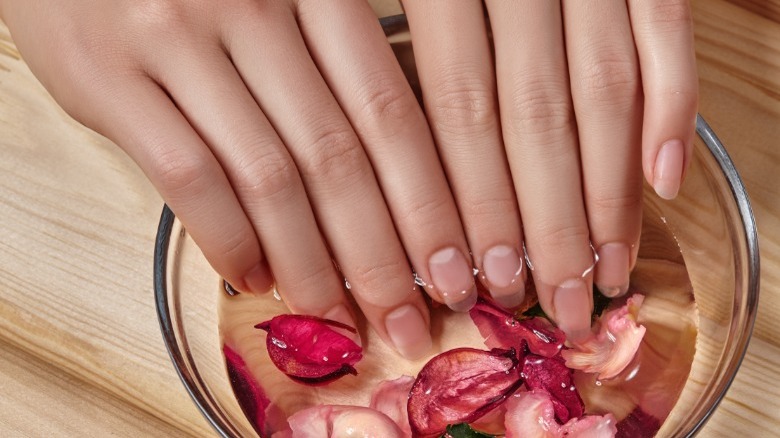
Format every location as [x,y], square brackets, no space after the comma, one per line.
[280,133]
[588,96]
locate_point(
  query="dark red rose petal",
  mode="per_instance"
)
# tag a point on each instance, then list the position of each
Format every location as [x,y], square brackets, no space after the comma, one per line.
[638,424]
[251,396]
[308,350]
[460,386]
[552,375]
[502,330]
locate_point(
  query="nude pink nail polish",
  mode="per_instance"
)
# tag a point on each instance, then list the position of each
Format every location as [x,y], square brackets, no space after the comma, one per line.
[453,277]
[612,270]
[409,332]
[503,270]
[572,308]
[667,173]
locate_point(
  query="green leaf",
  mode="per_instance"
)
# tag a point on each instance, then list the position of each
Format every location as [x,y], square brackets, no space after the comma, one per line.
[463,430]
[600,303]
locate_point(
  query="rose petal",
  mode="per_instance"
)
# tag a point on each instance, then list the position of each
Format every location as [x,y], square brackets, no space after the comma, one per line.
[460,386]
[613,347]
[591,426]
[338,421]
[391,397]
[502,330]
[531,414]
[638,424]
[550,374]
[308,350]
[251,396]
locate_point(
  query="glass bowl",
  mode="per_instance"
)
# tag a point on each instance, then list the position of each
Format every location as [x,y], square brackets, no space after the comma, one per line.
[709,228]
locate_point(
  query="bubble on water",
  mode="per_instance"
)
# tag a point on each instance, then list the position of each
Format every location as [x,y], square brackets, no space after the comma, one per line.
[279,343]
[598,382]
[418,280]
[347,285]
[276,294]
[475,271]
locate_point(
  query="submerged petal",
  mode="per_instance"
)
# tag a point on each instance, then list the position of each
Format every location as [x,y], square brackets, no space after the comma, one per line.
[391,397]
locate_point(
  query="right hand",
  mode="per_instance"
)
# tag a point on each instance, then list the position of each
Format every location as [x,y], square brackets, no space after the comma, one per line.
[278,132]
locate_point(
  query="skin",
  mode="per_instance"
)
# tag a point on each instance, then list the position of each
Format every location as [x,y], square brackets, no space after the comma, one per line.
[284,136]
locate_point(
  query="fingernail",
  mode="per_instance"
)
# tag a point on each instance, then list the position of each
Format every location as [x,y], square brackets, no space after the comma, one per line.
[503,268]
[409,332]
[259,280]
[612,270]
[667,174]
[572,308]
[339,313]
[452,275]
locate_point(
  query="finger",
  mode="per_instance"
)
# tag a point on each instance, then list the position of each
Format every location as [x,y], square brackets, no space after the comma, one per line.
[538,126]
[141,118]
[663,31]
[336,173]
[605,87]
[459,89]
[263,176]
[371,88]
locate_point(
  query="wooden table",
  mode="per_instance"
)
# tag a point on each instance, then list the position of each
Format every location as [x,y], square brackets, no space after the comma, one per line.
[80,349]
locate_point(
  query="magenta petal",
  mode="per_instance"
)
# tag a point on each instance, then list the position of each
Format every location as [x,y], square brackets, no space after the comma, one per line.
[638,424]
[502,330]
[308,350]
[251,396]
[552,375]
[460,386]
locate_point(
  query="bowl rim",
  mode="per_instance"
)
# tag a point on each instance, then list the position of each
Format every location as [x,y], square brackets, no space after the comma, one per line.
[393,24]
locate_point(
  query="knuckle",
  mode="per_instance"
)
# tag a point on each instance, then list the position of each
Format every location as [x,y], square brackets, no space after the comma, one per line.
[671,13]
[489,209]
[374,280]
[539,106]
[617,203]
[463,104]
[421,213]
[271,174]
[158,17]
[385,99]
[560,238]
[182,175]
[335,155]
[613,81]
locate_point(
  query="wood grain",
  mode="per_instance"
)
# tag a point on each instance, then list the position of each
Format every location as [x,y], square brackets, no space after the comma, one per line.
[80,350]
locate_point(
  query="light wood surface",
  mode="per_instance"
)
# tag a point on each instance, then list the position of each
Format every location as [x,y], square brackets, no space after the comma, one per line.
[80,349]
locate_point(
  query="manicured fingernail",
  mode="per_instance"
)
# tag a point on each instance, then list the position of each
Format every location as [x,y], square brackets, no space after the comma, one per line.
[452,275]
[612,270]
[409,332]
[503,269]
[340,314]
[572,308]
[259,280]
[667,174]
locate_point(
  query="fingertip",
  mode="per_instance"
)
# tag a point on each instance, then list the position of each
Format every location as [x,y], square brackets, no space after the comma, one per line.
[668,169]
[259,279]
[409,331]
[572,308]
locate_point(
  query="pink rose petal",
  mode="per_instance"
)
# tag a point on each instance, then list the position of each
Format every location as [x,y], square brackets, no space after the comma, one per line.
[341,421]
[307,349]
[391,397]
[613,347]
[531,414]
[251,396]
